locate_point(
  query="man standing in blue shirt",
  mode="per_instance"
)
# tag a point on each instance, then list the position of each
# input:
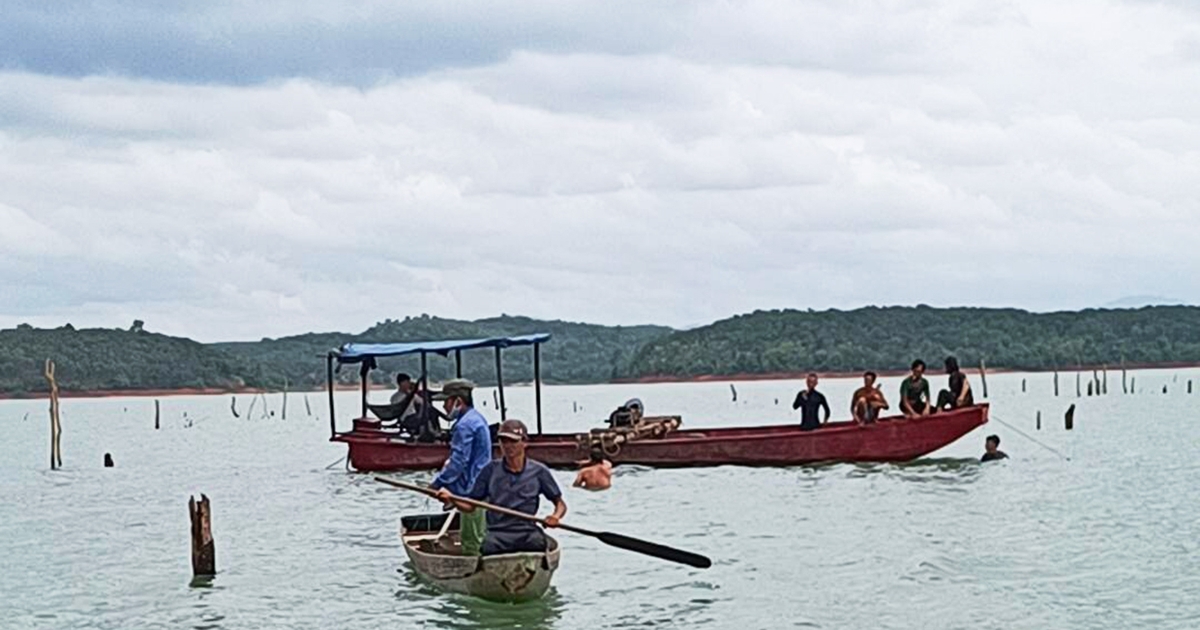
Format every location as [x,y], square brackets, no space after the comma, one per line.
[515,482]
[470,452]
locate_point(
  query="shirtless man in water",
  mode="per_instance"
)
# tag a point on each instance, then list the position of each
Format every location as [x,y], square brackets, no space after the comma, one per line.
[596,473]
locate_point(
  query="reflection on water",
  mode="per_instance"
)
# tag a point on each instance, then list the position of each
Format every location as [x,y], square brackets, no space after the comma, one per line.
[1107,540]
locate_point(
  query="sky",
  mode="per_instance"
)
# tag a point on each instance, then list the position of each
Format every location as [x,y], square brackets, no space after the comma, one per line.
[228,170]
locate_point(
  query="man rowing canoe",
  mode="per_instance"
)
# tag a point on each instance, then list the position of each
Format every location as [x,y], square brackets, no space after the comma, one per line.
[515,482]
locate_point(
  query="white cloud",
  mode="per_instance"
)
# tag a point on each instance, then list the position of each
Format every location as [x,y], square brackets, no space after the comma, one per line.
[738,156]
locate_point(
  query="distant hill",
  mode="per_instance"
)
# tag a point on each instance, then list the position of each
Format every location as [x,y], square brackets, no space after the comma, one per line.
[890,338]
[763,342]
[105,359]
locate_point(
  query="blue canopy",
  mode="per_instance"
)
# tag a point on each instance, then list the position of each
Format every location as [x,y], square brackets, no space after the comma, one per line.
[357,352]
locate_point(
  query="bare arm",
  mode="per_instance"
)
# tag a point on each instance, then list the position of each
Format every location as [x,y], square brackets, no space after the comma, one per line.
[962,398]
[560,510]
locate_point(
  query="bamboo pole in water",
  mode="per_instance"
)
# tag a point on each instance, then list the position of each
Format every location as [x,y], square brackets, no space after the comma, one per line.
[1124,384]
[233,406]
[204,551]
[1069,419]
[1039,420]
[283,412]
[983,376]
[1056,382]
[1104,368]
[55,420]
[1078,385]
[157,414]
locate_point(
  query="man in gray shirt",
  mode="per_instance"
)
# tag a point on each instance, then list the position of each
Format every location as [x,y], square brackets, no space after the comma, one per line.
[515,482]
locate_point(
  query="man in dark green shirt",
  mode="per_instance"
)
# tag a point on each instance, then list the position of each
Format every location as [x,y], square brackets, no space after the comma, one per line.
[914,392]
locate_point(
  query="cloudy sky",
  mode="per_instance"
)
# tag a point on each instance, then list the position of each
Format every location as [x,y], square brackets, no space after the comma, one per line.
[230,170]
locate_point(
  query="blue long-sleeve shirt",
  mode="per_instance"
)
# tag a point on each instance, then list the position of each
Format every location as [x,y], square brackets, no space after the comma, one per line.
[470,451]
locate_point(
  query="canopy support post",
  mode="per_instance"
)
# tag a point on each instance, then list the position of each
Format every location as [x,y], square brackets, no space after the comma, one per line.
[364,373]
[424,381]
[458,364]
[537,384]
[329,386]
[500,386]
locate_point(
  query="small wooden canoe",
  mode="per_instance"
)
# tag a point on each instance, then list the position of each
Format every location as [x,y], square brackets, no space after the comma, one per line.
[436,556]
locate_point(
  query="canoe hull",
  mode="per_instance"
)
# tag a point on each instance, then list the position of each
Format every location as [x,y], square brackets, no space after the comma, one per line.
[514,577]
[890,440]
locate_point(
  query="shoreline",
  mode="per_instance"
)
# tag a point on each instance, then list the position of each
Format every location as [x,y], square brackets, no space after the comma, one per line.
[642,380]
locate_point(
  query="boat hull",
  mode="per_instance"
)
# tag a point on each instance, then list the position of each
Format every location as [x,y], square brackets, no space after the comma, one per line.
[893,439]
[513,577]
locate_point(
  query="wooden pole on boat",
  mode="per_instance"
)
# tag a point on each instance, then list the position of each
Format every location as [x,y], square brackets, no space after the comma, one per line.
[55,420]
[500,387]
[1069,419]
[458,364]
[537,384]
[364,375]
[983,376]
[204,551]
[157,413]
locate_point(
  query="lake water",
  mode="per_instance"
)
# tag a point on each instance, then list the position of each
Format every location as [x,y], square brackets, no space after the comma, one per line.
[1110,539]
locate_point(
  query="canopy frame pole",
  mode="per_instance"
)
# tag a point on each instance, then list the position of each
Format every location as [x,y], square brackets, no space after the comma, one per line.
[537,384]
[500,386]
[425,408]
[458,364]
[329,386]
[364,374]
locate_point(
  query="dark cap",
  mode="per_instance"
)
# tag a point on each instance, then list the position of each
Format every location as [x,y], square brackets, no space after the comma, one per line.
[460,387]
[513,429]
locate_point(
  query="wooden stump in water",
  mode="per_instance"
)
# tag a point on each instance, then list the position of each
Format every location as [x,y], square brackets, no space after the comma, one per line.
[204,552]
[1189,386]
[1089,388]
[233,406]
[55,421]
[157,413]
[983,376]
[1039,421]
[108,460]
[1070,417]
[1022,386]
[1056,383]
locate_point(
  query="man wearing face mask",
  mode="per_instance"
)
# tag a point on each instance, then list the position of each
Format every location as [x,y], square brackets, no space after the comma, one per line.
[470,452]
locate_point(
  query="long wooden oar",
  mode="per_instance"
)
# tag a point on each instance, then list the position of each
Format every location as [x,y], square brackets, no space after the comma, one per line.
[609,538]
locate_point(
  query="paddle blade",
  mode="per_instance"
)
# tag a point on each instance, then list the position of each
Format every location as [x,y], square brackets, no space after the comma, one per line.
[654,549]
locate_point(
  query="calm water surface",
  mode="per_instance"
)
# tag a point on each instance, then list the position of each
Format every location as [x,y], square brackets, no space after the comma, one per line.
[1110,539]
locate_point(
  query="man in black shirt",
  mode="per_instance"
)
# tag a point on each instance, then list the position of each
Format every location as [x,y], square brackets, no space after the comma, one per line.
[809,401]
[992,446]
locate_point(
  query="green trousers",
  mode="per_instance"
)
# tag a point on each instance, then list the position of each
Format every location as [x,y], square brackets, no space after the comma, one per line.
[474,528]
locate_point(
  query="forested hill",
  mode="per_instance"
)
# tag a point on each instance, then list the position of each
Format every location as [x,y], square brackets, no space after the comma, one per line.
[890,338]
[576,353]
[105,359]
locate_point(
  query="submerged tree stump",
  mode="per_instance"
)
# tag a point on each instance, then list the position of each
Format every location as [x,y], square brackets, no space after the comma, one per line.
[204,552]
[1070,417]
[1039,421]
[983,376]
[157,414]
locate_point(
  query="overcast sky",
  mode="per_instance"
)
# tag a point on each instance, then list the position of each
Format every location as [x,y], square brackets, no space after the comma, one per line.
[230,170]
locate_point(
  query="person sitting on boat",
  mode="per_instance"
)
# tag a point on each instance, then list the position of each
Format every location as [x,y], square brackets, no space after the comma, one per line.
[470,453]
[406,393]
[991,447]
[809,402]
[627,415]
[914,392]
[596,473]
[959,394]
[867,401]
[514,482]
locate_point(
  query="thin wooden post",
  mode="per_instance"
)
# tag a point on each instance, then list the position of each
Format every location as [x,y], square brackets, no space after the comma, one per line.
[500,387]
[983,376]
[1039,420]
[329,387]
[55,420]
[1069,419]
[1078,384]
[204,552]
[1124,384]
[1022,386]
[283,411]
[537,384]
[458,363]
[1104,389]
[1189,385]
[733,390]
[1089,390]
[1133,385]
[157,414]
[233,406]
[1056,382]
[307,407]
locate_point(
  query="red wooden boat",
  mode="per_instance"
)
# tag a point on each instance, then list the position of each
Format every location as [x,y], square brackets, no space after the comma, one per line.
[375,447]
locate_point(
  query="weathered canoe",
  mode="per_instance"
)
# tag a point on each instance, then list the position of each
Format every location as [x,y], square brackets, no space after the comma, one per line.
[892,439]
[513,577]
